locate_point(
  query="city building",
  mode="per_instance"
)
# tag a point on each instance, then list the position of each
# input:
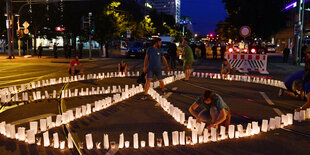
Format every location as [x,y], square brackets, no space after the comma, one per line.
[286,35]
[170,7]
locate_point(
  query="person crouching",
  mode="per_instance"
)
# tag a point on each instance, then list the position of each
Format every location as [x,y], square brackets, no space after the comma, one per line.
[215,111]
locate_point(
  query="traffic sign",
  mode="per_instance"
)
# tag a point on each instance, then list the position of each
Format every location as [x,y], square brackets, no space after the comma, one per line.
[245,31]
[26,24]
[26,31]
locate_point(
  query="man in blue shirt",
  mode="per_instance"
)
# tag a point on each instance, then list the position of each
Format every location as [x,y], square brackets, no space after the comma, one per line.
[152,66]
[215,111]
[289,83]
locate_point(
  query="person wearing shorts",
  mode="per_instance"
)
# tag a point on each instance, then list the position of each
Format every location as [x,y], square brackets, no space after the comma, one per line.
[152,66]
[188,59]
[215,111]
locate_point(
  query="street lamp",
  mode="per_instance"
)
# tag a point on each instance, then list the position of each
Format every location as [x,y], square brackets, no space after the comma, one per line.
[89,22]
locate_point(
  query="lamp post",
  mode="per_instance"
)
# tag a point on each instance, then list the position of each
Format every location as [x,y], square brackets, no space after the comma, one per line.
[89,22]
[18,30]
[9,26]
[299,29]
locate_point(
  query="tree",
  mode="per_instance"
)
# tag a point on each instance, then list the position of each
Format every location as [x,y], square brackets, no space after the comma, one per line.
[2,18]
[265,17]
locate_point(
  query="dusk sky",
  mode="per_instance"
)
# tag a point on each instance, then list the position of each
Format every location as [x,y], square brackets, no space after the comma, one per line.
[205,14]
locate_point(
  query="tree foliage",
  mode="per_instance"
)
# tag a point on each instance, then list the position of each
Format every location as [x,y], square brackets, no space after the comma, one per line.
[264,17]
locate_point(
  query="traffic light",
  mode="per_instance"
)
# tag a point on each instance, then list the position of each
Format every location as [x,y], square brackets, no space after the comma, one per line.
[92,31]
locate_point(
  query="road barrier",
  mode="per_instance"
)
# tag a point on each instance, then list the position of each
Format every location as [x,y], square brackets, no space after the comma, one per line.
[248,62]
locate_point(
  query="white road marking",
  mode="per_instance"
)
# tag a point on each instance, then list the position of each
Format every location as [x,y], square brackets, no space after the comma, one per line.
[266,98]
[170,93]
[278,111]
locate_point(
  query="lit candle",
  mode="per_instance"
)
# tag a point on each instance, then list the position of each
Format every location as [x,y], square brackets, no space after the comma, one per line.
[290,119]
[127,144]
[188,140]
[121,141]
[43,125]
[62,145]
[135,141]
[30,136]
[142,143]
[34,126]
[21,133]
[272,123]
[106,142]
[264,125]
[231,131]
[175,138]
[182,138]
[56,140]
[194,136]
[89,141]
[46,139]
[206,135]
[213,134]
[70,142]
[159,142]
[166,139]
[112,144]
[278,122]
[151,139]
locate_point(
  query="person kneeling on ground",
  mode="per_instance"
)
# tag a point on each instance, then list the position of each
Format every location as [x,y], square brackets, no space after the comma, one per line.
[226,68]
[122,67]
[75,67]
[292,80]
[214,106]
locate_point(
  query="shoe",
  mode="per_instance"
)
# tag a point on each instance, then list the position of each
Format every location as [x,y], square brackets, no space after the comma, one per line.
[280,92]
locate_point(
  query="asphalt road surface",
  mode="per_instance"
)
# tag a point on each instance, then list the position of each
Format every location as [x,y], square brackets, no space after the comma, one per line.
[248,102]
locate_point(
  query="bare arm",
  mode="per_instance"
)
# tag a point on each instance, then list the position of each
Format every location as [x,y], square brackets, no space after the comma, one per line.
[119,68]
[166,63]
[306,105]
[192,110]
[221,118]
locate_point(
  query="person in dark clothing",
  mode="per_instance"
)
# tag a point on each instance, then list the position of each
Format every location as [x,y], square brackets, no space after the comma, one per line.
[107,49]
[40,50]
[172,52]
[66,50]
[286,53]
[24,49]
[122,67]
[80,46]
[69,51]
[203,50]
[223,50]
[55,50]
[214,51]
[303,53]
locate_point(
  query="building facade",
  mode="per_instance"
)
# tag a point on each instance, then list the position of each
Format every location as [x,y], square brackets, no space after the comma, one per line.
[170,7]
[286,36]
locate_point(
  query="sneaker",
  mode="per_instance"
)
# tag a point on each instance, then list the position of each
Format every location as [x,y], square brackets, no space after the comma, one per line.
[280,92]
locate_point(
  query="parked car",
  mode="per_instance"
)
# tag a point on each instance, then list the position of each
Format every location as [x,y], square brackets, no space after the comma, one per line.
[271,48]
[136,49]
